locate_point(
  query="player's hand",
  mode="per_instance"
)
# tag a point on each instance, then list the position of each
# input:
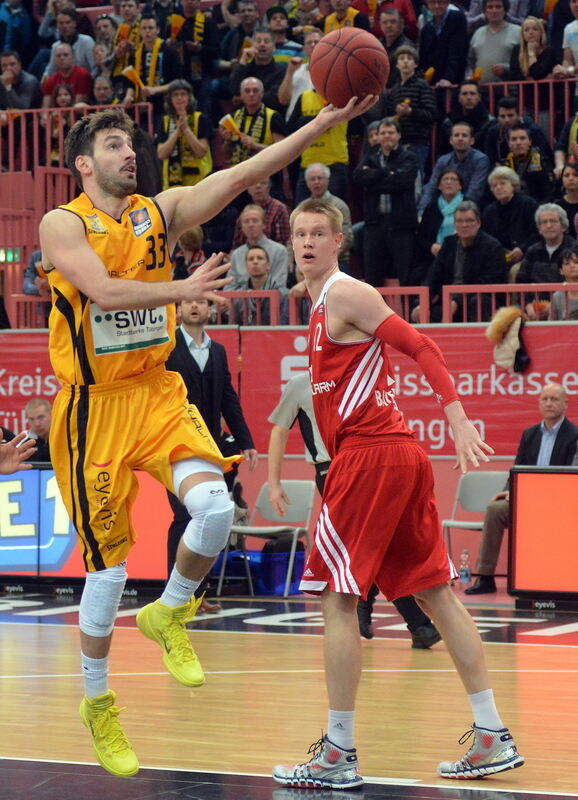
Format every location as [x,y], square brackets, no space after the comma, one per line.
[205,281]
[252,456]
[330,116]
[500,496]
[278,499]
[470,447]
[12,455]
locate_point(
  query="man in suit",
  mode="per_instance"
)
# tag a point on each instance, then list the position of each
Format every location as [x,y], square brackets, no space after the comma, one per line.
[202,362]
[550,443]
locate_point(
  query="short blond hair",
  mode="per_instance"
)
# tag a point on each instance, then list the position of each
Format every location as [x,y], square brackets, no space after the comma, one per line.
[312,206]
[254,207]
[504,174]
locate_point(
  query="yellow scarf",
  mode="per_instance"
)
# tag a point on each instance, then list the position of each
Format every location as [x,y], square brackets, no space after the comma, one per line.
[152,78]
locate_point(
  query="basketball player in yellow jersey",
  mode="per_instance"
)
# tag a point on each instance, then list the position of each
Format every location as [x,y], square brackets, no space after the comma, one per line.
[107,257]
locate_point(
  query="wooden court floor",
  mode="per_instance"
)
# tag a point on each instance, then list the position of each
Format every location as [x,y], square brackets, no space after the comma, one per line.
[264,702]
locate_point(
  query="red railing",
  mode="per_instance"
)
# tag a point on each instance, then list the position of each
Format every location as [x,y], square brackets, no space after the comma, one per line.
[35,137]
[556,97]
[487,298]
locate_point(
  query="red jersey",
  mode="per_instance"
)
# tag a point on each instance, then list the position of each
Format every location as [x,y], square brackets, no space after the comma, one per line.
[353,391]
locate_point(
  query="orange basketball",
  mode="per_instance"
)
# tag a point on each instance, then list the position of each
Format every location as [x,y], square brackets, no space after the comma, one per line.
[347,63]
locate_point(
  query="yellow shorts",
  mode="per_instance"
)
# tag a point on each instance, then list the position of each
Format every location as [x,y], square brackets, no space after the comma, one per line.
[99,434]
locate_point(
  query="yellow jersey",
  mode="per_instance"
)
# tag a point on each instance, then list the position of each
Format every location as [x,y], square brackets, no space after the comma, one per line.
[331,146]
[89,345]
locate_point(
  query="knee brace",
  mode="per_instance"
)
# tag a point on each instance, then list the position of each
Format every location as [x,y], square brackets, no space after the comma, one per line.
[191,466]
[100,600]
[211,511]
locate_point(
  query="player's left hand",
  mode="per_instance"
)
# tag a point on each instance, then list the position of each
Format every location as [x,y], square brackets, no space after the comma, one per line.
[14,453]
[206,281]
[470,447]
[252,457]
[330,115]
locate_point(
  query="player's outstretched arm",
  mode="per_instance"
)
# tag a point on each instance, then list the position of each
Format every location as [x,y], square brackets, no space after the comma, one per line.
[187,206]
[65,248]
[360,307]
[277,444]
[14,453]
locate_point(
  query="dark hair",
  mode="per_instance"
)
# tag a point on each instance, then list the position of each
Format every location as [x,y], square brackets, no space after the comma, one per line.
[391,12]
[149,15]
[179,85]
[573,165]
[80,138]
[391,122]
[469,82]
[463,124]
[264,29]
[109,18]
[508,102]
[11,53]
[257,247]
[468,205]
[568,252]
[505,3]
[408,50]
[72,13]
[56,92]
[519,127]
[452,172]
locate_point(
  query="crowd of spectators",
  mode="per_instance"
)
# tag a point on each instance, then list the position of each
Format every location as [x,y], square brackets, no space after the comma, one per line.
[459,174]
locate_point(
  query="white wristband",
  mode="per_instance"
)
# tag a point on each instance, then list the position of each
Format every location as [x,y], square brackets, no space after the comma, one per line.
[570,70]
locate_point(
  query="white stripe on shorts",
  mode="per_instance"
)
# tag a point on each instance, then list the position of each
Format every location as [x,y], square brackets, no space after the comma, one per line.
[335,554]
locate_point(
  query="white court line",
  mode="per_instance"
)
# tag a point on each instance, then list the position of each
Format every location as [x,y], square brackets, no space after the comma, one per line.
[450,671]
[292,633]
[47,612]
[368,779]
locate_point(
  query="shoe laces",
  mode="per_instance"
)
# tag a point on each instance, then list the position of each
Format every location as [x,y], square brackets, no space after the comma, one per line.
[315,749]
[107,727]
[177,638]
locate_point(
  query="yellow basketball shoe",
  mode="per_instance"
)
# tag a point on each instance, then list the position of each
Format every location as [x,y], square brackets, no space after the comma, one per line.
[166,626]
[111,746]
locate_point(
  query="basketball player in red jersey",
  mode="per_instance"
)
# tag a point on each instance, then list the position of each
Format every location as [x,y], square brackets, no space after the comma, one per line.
[379,521]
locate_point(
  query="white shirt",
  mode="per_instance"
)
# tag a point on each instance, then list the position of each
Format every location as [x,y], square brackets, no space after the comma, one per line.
[199,352]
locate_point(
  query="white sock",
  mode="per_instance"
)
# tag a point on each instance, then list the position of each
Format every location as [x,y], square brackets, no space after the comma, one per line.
[485,711]
[340,728]
[178,590]
[95,675]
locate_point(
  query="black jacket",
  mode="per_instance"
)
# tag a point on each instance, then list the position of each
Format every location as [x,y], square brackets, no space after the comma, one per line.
[447,51]
[397,179]
[484,263]
[416,128]
[224,399]
[562,453]
[540,267]
[512,224]
[479,118]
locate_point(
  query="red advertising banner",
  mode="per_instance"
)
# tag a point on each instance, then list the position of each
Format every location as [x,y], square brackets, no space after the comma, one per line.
[25,370]
[500,404]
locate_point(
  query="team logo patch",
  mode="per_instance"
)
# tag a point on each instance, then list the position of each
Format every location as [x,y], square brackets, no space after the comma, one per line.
[94,224]
[141,221]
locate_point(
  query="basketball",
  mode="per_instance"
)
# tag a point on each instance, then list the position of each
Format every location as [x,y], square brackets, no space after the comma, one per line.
[347,63]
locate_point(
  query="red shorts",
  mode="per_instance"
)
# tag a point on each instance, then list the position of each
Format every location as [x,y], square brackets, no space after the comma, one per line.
[378,523]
